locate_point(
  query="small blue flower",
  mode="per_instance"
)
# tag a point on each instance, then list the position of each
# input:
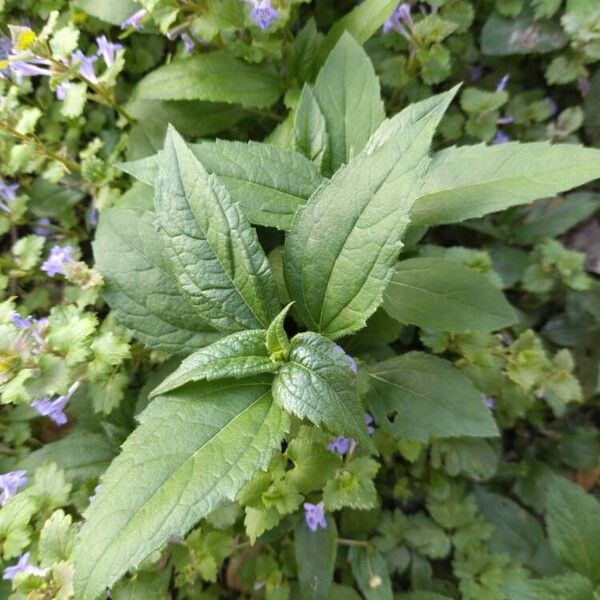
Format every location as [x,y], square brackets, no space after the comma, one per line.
[352,362]
[108,50]
[8,194]
[188,43]
[41,227]
[369,423]
[489,401]
[506,120]
[30,68]
[553,106]
[22,323]
[59,257]
[135,20]
[584,86]
[53,409]
[10,483]
[341,445]
[314,515]
[263,13]
[86,65]
[61,90]
[400,19]
[476,72]
[501,86]
[23,566]
[501,137]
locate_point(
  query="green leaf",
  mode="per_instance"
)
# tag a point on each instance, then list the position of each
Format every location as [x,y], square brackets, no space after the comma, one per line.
[146,585]
[240,354]
[268,183]
[445,295]
[215,76]
[570,586]
[506,175]
[111,11]
[318,383]
[347,91]
[336,291]
[523,35]
[573,523]
[277,341]
[310,129]
[419,396]
[67,454]
[210,247]
[361,23]
[371,574]
[193,450]
[56,539]
[142,293]
[315,556]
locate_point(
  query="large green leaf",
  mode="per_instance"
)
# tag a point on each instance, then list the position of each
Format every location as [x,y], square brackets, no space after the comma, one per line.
[367,564]
[420,396]
[240,354]
[111,11]
[318,383]
[341,249]
[268,183]
[347,91]
[211,249]
[215,76]
[472,181]
[573,522]
[146,585]
[315,553]
[445,295]
[310,129]
[139,288]
[569,586]
[361,23]
[193,450]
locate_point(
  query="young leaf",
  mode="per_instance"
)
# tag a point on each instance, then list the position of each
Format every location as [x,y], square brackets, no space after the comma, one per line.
[240,354]
[315,556]
[139,288]
[419,396]
[347,91]
[360,214]
[277,341]
[215,76]
[371,574]
[318,382]
[573,522]
[505,175]
[145,585]
[444,295]
[268,183]
[310,129]
[210,247]
[111,11]
[194,449]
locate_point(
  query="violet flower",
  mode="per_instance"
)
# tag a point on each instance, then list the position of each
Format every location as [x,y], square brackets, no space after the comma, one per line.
[41,227]
[8,194]
[86,65]
[21,323]
[61,90]
[135,20]
[501,138]
[501,86]
[399,20]
[108,50]
[29,68]
[584,86]
[369,423]
[188,43]
[53,409]
[489,401]
[10,483]
[263,13]
[23,566]
[341,445]
[314,515]
[56,261]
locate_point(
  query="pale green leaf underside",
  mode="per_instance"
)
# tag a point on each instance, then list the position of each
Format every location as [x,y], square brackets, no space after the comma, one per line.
[342,246]
[111,11]
[444,295]
[193,450]
[215,76]
[142,293]
[211,248]
[310,129]
[347,92]
[419,396]
[317,383]
[471,181]
[240,354]
[268,183]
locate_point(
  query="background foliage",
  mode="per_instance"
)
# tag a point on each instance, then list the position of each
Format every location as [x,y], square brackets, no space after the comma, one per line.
[446,510]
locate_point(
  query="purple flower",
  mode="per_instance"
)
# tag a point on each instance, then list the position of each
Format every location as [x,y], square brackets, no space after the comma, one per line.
[584,86]
[369,423]
[553,106]
[108,50]
[188,43]
[476,72]
[59,257]
[506,120]
[8,194]
[352,362]
[53,409]
[501,86]
[489,401]
[23,566]
[86,65]
[341,445]
[400,19]
[5,50]
[314,515]
[263,13]
[501,137]
[30,68]
[41,227]
[10,483]
[135,20]
[62,89]
[22,323]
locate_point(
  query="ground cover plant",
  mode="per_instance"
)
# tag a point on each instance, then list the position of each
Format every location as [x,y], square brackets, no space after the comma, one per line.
[300,299]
